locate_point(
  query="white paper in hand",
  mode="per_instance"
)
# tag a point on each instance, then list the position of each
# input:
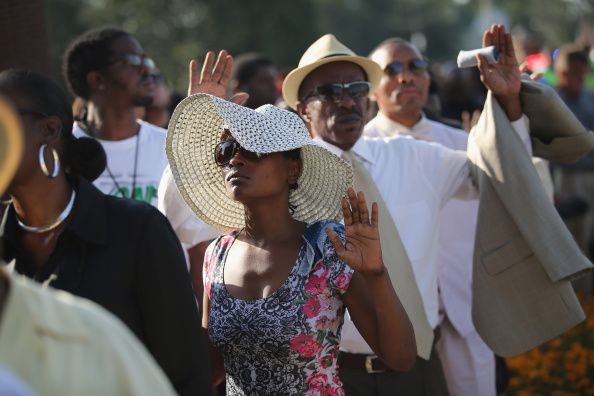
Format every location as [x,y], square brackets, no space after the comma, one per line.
[468,58]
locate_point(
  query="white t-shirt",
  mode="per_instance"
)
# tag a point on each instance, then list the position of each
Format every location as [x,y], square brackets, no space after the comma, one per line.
[189,229]
[121,175]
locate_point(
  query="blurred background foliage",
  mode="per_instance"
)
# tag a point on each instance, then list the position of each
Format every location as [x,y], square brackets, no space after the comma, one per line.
[173,31]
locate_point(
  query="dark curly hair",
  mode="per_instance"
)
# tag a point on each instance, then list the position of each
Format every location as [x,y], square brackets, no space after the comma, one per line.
[83,156]
[88,52]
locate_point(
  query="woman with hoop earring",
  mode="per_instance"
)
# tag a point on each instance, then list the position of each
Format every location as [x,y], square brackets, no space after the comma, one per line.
[122,254]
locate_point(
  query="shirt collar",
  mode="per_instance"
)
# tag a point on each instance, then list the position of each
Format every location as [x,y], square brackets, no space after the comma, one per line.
[88,219]
[360,149]
[390,128]
[28,304]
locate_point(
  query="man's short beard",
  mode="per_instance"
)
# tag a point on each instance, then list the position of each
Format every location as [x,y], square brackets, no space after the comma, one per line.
[143,101]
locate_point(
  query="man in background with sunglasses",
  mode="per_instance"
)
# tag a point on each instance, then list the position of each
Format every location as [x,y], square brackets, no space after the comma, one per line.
[468,363]
[109,70]
[330,91]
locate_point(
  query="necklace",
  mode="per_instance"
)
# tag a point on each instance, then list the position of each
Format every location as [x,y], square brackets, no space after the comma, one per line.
[41,229]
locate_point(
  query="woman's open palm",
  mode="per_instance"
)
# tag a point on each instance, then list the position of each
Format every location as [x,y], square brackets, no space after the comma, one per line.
[362,250]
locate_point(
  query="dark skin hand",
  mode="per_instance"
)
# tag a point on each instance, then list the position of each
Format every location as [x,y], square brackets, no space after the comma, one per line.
[371,300]
[503,78]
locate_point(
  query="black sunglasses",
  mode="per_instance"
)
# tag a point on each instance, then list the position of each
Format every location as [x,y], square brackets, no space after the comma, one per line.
[415,66]
[227,149]
[334,91]
[136,60]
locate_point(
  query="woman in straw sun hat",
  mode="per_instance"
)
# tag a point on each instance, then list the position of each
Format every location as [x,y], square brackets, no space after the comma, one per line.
[277,286]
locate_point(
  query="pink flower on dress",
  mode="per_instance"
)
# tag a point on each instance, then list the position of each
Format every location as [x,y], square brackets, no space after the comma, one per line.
[336,379]
[333,392]
[305,345]
[325,361]
[321,269]
[317,382]
[330,307]
[316,285]
[342,282]
[324,323]
[312,307]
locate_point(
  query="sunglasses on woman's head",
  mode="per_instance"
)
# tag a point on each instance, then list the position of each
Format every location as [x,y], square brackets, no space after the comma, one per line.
[227,149]
[414,66]
[334,91]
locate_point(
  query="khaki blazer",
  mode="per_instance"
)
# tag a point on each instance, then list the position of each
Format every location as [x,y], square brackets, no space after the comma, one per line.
[524,256]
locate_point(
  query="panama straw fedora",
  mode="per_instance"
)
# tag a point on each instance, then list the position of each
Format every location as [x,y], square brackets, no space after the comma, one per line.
[324,50]
[197,126]
[11,143]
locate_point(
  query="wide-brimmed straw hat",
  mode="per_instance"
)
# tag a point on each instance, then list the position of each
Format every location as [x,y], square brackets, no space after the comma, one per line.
[197,126]
[324,50]
[11,143]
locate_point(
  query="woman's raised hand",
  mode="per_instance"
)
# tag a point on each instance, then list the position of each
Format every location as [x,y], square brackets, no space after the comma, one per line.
[214,77]
[362,250]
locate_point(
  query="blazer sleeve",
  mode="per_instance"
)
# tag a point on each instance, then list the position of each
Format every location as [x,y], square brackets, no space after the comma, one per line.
[556,133]
[169,309]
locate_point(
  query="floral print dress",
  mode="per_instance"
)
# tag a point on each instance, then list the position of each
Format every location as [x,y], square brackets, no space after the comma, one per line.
[287,343]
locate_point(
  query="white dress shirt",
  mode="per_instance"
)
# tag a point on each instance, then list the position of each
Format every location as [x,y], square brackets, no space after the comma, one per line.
[415,179]
[457,223]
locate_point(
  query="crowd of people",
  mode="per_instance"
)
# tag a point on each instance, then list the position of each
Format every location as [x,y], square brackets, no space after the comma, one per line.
[332,232]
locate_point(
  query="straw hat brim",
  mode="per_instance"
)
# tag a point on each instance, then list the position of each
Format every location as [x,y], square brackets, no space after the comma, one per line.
[196,128]
[11,143]
[295,78]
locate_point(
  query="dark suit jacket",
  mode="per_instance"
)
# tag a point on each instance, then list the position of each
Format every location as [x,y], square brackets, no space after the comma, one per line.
[123,255]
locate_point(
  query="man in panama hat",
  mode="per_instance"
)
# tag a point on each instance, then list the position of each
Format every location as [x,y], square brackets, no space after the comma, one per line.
[329,90]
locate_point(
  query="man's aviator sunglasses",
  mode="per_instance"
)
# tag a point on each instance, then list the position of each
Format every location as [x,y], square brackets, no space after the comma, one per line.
[414,66]
[136,60]
[227,149]
[334,91]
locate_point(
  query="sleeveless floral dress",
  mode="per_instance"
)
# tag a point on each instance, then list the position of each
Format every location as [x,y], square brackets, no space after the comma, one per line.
[287,343]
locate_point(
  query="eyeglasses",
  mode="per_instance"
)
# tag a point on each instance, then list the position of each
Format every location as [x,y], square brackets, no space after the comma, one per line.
[136,60]
[25,111]
[416,66]
[227,149]
[334,91]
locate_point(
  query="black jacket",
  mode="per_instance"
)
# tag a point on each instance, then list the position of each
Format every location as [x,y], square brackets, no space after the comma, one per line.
[124,255]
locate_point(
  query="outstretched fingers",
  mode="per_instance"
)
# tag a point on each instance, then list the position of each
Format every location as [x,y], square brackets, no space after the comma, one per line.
[509,45]
[356,215]
[346,212]
[374,214]
[364,212]
[336,242]
[226,75]
[240,98]
[220,66]
[487,39]
[207,66]
[495,36]
[194,77]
